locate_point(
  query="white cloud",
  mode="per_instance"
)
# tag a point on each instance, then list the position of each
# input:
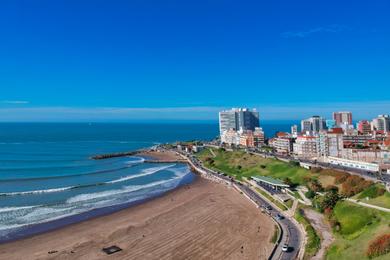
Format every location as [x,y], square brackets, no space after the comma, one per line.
[15,102]
[334,28]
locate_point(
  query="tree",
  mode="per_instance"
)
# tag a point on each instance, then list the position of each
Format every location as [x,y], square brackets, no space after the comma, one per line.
[310,194]
[329,200]
[288,181]
[315,186]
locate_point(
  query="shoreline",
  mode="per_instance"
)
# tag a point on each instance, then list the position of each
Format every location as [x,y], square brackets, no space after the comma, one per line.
[149,156]
[121,225]
[54,225]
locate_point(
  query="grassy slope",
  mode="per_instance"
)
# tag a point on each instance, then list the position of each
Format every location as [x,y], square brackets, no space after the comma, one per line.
[370,192]
[313,240]
[359,226]
[241,164]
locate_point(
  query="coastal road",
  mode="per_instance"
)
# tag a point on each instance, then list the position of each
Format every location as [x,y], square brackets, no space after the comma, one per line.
[291,234]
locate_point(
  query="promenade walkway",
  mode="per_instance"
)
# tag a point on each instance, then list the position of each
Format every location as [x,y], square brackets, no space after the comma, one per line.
[368,205]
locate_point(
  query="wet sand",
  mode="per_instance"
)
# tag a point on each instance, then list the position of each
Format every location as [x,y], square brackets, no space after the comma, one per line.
[203,220]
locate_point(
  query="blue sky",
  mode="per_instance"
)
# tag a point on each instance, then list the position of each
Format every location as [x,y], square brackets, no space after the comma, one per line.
[170,60]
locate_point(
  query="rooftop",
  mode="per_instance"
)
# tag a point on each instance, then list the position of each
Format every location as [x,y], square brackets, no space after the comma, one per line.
[270,181]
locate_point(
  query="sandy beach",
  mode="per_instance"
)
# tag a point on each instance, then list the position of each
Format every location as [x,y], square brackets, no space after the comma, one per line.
[202,220]
[161,155]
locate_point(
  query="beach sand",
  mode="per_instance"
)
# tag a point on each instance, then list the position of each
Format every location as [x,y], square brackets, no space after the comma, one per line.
[162,155]
[203,220]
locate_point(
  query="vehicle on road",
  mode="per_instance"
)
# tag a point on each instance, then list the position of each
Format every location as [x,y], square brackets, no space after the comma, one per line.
[285,248]
[279,217]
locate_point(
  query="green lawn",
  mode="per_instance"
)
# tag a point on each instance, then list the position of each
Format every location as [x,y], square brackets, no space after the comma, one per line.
[371,196]
[353,219]
[381,201]
[359,226]
[241,164]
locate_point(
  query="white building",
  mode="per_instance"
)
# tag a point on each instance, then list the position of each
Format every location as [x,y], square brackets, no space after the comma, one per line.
[306,146]
[381,123]
[294,131]
[353,164]
[239,119]
[330,143]
[313,124]
[283,144]
[230,137]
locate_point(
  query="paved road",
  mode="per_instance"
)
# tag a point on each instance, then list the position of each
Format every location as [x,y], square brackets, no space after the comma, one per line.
[290,232]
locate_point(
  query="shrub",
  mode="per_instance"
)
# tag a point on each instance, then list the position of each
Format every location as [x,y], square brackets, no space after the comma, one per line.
[354,185]
[315,186]
[341,177]
[332,188]
[288,181]
[310,194]
[372,192]
[379,246]
[294,163]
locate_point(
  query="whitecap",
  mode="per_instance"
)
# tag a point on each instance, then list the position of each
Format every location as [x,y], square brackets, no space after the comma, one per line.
[143,173]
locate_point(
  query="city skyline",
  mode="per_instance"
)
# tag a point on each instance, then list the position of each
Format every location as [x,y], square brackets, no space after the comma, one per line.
[121,61]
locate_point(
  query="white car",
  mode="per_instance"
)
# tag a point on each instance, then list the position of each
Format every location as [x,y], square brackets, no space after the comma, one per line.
[285,248]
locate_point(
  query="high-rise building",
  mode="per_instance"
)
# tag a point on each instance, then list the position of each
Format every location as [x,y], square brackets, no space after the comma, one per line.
[238,119]
[343,117]
[294,131]
[330,123]
[306,126]
[330,143]
[364,127]
[313,124]
[381,123]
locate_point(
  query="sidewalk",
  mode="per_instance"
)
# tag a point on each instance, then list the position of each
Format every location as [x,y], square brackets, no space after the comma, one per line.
[368,205]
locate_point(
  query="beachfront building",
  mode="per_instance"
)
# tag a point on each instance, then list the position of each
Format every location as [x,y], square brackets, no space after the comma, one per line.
[252,139]
[283,143]
[306,146]
[294,131]
[356,140]
[238,119]
[364,127]
[330,143]
[381,123]
[342,118]
[335,142]
[374,167]
[330,123]
[247,139]
[230,137]
[313,125]
[367,155]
